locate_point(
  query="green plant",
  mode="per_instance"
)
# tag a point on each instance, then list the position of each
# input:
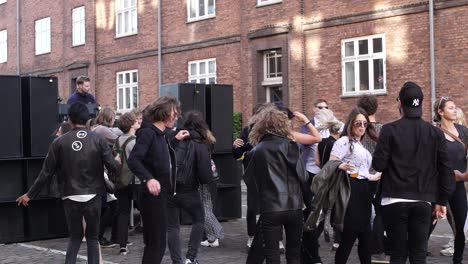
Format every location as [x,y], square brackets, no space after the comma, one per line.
[237,124]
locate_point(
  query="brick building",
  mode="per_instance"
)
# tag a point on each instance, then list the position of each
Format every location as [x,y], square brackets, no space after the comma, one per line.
[296,51]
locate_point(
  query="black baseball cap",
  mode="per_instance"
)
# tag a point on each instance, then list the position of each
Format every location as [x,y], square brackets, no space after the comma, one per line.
[411,98]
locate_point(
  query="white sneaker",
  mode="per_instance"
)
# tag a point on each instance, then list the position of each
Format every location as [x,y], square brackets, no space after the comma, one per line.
[448,252]
[207,243]
[281,247]
[249,242]
[449,244]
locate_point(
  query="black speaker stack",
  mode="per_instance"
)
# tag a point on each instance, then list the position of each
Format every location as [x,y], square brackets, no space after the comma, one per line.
[29,117]
[215,102]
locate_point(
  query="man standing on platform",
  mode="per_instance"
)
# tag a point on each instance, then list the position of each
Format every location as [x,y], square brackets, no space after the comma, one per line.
[83,84]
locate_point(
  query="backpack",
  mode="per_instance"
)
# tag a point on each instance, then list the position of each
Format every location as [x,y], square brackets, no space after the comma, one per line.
[125,175]
[185,158]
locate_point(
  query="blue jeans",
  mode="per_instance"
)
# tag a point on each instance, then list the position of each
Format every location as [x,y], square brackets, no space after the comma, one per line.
[74,213]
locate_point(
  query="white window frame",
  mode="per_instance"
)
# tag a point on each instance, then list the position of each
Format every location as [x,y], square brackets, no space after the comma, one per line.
[2,1]
[370,57]
[78,26]
[271,80]
[130,10]
[267,2]
[42,36]
[3,46]
[124,86]
[197,17]
[197,77]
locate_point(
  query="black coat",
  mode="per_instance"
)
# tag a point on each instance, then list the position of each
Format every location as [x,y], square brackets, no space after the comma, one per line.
[153,156]
[277,172]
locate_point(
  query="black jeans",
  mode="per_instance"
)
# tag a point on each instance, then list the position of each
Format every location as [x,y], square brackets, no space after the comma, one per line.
[154,214]
[191,203]
[459,209]
[407,225]
[124,198]
[356,224]
[74,212]
[267,237]
[251,216]
[108,218]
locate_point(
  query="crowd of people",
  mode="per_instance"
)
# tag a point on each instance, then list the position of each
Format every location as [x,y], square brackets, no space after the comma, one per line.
[385,185]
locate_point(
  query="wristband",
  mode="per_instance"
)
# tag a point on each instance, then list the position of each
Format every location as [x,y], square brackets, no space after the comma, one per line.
[308,123]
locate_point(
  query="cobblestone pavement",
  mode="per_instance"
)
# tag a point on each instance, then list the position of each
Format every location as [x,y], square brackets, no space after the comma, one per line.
[231,251]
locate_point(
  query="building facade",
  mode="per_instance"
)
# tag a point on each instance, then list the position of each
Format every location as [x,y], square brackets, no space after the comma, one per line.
[294,51]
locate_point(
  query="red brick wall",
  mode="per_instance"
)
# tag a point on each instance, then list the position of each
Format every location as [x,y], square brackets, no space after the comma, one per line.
[407,49]
[452,55]
[176,29]
[8,22]
[147,81]
[108,45]
[175,67]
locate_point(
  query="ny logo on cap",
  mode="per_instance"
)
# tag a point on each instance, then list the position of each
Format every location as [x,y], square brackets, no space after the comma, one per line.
[415,102]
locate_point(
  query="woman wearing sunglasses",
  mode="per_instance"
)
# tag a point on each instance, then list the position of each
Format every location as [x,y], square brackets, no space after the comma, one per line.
[356,162]
[456,137]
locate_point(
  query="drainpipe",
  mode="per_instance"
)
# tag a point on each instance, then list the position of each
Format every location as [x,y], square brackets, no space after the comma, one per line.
[18,47]
[431,36]
[159,47]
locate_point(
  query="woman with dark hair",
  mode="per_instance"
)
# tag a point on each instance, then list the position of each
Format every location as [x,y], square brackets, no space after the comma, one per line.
[278,174]
[456,137]
[193,163]
[356,162]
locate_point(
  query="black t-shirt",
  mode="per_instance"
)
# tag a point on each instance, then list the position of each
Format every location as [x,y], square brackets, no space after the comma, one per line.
[324,149]
[457,150]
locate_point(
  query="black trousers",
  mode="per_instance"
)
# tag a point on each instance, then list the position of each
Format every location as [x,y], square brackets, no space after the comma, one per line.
[154,214]
[124,198]
[356,224]
[458,205]
[74,213]
[407,225]
[191,203]
[268,234]
[109,213]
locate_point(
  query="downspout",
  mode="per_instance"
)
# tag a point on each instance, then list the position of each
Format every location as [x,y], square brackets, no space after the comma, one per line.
[159,47]
[18,47]
[431,36]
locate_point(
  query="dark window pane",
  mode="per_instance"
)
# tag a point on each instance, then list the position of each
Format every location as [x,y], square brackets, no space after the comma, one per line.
[377,42]
[201,7]
[271,67]
[363,47]
[364,75]
[278,67]
[211,7]
[127,98]
[378,74]
[276,93]
[349,48]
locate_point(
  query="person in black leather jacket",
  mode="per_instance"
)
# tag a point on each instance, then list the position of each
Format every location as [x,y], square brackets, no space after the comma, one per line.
[277,172]
[78,158]
[152,160]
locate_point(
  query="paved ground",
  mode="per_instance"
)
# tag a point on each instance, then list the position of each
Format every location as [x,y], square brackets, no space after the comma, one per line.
[231,251]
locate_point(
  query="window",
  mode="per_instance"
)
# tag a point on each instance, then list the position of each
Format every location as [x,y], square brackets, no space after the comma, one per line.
[2,1]
[78,20]
[363,65]
[127,90]
[200,9]
[202,71]
[126,17]
[267,2]
[273,75]
[3,46]
[43,36]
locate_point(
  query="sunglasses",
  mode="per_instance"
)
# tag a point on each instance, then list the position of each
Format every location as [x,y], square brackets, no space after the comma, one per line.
[360,124]
[322,107]
[443,98]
